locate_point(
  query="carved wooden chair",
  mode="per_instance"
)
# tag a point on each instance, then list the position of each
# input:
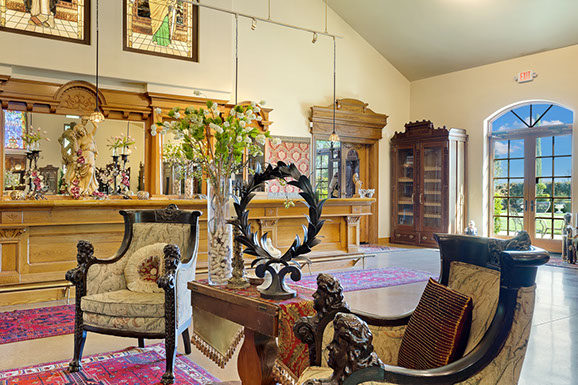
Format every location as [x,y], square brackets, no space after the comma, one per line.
[501,283]
[141,291]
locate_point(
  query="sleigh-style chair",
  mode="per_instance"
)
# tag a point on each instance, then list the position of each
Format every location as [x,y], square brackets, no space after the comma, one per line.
[364,348]
[141,291]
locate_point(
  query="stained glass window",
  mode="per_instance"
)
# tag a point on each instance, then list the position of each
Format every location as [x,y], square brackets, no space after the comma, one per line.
[14,128]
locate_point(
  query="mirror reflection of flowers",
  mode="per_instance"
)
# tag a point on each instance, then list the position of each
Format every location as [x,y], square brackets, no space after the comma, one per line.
[125,181]
[11,179]
[32,139]
[222,157]
[121,144]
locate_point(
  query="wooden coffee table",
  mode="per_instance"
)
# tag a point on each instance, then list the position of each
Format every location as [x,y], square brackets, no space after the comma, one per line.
[260,320]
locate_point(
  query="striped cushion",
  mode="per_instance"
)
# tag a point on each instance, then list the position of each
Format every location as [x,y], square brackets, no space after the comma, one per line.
[438,330]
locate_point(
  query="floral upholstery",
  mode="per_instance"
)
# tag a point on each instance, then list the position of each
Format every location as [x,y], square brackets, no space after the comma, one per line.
[483,286]
[111,305]
[144,267]
[386,342]
[125,303]
[133,324]
[184,308]
[110,277]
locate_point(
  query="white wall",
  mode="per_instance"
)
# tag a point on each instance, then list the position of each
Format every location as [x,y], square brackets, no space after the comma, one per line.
[466,98]
[278,65]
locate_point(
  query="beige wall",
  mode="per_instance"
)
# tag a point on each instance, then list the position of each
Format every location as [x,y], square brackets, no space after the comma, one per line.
[278,65]
[465,99]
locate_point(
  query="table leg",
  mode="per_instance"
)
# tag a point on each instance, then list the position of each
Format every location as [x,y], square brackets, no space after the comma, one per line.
[256,359]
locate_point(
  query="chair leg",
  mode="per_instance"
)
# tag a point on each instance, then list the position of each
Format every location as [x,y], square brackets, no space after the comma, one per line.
[79,340]
[171,351]
[187,341]
[141,343]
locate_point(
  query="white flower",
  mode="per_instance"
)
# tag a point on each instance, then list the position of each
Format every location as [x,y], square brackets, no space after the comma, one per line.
[276,141]
[196,92]
[253,104]
[262,102]
[239,138]
[177,115]
[219,129]
[226,124]
[260,139]
[248,140]
[158,111]
[242,124]
[240,115]
[186,131]
[215,106]
[213,126]
[257,109]
[174,124]
[246,130]
[259,118]
[153,131]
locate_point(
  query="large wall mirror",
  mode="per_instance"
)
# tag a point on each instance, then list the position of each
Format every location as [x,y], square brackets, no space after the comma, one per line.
[50,162]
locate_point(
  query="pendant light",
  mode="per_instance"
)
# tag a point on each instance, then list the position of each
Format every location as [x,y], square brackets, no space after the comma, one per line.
[97,116]
[334,137]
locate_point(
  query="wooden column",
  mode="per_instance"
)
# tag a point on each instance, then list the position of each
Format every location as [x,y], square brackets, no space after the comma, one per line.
[153,156]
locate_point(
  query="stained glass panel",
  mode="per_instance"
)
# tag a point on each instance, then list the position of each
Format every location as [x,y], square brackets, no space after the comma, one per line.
[62,20]
[14,128]
[161,27]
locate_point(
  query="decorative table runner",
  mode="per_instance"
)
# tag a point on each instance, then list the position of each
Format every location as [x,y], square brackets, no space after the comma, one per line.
[218,338]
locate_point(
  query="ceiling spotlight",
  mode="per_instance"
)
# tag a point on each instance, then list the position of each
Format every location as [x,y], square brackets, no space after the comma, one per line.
[254,24]
[314,38]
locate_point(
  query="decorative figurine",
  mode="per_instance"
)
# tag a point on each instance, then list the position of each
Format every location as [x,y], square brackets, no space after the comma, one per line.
[79,156]
[358,184]
[471,229]
[568,252]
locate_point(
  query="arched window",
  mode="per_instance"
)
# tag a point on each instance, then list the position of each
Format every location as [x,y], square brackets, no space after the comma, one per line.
[531,161]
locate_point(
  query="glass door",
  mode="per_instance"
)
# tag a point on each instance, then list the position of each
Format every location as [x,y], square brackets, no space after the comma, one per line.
[552,195]
[406,187]
[430,198]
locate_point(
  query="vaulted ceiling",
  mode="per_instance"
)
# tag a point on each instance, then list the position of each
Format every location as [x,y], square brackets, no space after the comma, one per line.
[424,38]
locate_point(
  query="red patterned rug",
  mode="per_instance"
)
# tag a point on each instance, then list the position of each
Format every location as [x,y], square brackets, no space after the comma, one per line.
[21,325]
[557,261]
[128,367]
[353,280]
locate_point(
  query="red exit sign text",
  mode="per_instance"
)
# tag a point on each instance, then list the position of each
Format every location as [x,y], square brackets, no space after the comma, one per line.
[526,76]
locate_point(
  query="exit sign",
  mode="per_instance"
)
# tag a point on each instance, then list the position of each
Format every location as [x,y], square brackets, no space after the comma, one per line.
[526,76]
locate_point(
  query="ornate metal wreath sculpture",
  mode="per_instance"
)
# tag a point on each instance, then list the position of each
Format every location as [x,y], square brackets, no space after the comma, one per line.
[257,247]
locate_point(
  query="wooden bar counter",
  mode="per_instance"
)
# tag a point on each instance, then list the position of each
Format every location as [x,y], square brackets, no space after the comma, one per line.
[38,238]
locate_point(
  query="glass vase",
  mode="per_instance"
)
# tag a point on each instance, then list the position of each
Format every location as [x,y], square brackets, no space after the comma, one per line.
[189,183]
[220,233]
[176,180]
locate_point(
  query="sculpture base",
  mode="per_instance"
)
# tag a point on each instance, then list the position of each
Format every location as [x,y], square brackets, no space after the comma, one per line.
[238,283]
[279,296]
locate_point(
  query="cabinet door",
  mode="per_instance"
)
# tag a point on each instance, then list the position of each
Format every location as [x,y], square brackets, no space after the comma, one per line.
[406,187]
[432,198]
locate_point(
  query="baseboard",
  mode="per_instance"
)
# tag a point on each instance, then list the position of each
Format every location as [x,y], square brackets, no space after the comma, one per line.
[32,296]
[383,241]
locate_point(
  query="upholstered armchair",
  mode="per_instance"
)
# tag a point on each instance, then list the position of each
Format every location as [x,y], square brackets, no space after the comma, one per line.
[141,291]
[364,348]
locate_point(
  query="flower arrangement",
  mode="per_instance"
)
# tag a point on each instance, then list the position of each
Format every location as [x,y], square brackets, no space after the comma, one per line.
[37,186]
[122,143]
[222,157]
[32,139]
[11,179]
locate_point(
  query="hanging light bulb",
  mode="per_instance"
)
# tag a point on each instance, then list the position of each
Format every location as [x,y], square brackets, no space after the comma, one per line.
[97,116]
[314,38]
[254,24]
[334,137]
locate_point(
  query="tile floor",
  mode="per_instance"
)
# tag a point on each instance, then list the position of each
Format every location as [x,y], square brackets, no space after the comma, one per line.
[551,359]
[63,28]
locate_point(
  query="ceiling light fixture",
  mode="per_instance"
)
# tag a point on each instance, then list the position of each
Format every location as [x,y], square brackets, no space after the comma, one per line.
[97,116]
[314,38]
[254,24]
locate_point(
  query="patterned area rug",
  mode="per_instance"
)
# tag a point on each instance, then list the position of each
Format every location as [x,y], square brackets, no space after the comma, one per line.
[557,261]
[22,325]
[372,248]
[128,367]
[353,280]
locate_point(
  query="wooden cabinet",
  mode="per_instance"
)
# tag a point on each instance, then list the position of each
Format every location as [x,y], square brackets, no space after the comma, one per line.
[428,185]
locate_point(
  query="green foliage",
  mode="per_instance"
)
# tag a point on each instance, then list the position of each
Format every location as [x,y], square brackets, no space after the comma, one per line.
[498,207]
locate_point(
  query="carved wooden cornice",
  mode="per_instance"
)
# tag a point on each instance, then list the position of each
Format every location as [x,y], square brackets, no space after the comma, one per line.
[11,233]
[420,129]
[354,122]
[3,80]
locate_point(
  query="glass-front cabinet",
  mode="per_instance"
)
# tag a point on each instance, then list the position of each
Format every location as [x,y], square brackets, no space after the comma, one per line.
[428,183]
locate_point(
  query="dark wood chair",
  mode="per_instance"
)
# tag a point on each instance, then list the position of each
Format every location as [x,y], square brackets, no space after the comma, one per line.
[500,277]
[105,305]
